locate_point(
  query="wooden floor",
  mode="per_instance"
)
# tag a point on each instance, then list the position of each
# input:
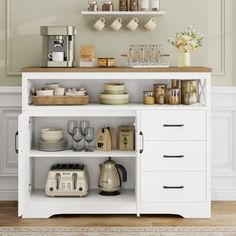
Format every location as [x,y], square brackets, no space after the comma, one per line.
[223,214]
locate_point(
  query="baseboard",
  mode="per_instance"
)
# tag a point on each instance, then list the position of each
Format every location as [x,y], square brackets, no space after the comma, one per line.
[224,195]
[8,195]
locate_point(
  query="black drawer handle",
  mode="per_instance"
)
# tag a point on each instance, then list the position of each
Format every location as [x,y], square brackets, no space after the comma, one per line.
[180,156]
[173,187]
[141,134]
[173,126]
[16,149]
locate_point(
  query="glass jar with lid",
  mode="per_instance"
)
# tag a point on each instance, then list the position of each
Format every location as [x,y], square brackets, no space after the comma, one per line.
[92,6]
[174,96]
[148,97]
[133,5]
[144,5]
[160,93]
[124,5]
[155,5]
[108,6]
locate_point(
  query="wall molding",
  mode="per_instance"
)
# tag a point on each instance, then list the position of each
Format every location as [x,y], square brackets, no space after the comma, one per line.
[8,115]
[223,13]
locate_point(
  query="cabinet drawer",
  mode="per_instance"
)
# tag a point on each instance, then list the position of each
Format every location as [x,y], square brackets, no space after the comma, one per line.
[173,187]
[173,125]
[174,156]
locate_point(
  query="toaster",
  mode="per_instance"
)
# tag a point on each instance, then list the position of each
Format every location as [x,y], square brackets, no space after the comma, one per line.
[67,180]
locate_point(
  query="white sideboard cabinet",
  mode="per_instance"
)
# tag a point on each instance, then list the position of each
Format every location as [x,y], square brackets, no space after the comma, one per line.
[169,170]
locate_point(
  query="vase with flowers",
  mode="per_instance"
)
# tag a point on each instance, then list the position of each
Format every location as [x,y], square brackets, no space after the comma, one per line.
[186,41]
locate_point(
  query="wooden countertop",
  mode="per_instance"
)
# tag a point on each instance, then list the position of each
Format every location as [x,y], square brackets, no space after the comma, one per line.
[197,69]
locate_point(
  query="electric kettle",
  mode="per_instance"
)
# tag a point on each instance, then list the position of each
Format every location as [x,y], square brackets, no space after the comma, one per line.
[109,181]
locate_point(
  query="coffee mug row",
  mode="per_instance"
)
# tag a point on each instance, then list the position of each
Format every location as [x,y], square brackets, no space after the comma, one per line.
[132,25]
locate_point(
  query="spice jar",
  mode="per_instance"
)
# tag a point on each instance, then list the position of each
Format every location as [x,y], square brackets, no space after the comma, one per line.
[144,5]
[155,5]
[92,6]
[124,5]
[190,98]
[160,93]
[175,84]
[188,86]
[174,96]
[148,97]
[108,6]
[133,5]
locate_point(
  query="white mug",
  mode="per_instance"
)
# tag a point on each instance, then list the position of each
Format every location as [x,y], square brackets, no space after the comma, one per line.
[151,24]
[116,24]
[133,24]
[99,24]
[56,56]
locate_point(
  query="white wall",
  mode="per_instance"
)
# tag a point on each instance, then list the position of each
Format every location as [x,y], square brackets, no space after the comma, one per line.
[20,42]
[223,148]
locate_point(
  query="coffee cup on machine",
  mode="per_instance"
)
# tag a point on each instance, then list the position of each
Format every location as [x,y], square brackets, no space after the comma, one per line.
[56,56]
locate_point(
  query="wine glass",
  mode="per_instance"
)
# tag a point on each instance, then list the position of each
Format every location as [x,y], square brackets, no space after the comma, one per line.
[83,125]
[89,137]
[77,137]
[71,124]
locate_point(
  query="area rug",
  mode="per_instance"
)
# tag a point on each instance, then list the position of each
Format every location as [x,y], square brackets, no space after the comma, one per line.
[131,231]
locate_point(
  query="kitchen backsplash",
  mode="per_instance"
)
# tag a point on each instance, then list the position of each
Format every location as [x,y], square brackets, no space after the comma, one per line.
[23,46]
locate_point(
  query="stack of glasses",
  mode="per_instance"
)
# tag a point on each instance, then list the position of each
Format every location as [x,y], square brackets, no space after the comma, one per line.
[83,131]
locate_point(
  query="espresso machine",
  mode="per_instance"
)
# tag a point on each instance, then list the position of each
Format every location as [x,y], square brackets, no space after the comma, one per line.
[58,46]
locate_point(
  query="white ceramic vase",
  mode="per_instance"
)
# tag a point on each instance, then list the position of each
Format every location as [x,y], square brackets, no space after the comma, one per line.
[184,59]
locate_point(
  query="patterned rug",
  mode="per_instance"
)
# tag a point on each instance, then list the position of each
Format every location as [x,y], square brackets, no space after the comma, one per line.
[154,231]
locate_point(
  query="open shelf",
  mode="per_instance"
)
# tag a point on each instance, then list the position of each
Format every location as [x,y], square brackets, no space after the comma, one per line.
[123,13]
[93,203]
[70,153]
[100,110]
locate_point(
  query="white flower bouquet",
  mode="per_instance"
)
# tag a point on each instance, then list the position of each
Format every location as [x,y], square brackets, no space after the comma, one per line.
[187,40]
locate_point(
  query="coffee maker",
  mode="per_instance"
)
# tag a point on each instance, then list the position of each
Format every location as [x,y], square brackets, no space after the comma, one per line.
[58,46]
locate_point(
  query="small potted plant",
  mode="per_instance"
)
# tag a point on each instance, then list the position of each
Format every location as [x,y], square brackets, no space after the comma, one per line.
[186,41]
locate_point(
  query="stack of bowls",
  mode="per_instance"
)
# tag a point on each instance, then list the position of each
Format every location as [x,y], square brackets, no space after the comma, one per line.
[114,94]
[52,140]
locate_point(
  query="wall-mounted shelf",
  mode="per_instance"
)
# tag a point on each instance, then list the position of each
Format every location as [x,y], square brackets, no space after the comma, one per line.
[123,13]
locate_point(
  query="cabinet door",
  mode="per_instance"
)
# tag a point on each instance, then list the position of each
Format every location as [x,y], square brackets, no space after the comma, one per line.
[173,187]
[173,125]
[23,162]
[174,156]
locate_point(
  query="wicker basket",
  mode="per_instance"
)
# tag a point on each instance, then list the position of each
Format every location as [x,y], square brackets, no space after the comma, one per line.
[60,100]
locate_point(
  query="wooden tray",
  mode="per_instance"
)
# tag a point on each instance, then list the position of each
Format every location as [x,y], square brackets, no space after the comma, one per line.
[60,100]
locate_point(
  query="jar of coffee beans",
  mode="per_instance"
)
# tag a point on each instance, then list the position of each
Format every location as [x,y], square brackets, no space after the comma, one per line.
[133,5]
[124,5]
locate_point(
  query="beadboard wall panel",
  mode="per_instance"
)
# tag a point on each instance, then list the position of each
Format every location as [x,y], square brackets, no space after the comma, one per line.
[223,140]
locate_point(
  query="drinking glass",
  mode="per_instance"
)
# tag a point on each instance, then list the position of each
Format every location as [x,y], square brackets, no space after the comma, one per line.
[77,137]
[89,137]
[71,124]
[83,125]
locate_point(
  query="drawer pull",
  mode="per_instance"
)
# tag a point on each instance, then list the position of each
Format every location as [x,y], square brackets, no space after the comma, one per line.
[180,156]
[141,134]
[16,148]
[173,187]
[173,126]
